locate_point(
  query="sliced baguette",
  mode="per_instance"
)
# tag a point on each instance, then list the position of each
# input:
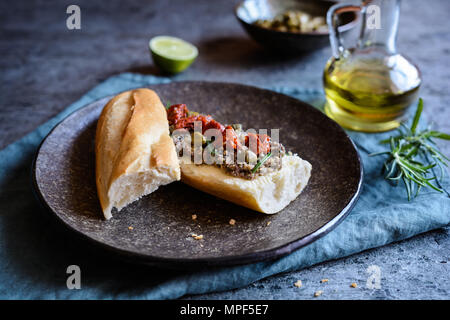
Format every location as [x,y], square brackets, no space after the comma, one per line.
[268,194]
[134,151]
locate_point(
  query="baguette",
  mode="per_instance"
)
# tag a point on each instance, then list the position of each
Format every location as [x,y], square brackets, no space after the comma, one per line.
[268,194]
[134,151]
[135,155]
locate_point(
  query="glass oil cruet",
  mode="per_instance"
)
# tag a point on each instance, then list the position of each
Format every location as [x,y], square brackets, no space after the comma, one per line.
[370,86]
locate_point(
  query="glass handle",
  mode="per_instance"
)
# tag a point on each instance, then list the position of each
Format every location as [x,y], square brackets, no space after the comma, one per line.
[332,20]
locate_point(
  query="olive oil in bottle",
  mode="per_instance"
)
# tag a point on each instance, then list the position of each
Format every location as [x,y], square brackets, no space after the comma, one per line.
[370,93]
[369,86]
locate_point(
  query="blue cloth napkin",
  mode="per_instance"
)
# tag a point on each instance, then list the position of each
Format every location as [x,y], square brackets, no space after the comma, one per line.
[35,252]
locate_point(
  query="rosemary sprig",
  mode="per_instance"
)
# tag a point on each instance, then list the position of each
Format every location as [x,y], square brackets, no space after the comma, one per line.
[413,156]
[261,162]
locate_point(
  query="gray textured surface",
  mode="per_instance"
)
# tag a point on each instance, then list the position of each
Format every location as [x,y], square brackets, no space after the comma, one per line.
[412,269]
[45,67]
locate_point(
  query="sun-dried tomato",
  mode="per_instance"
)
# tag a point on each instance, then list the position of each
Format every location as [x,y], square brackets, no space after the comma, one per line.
[213,124]
[258,143]
[231,139]
[177,116]
[176,112]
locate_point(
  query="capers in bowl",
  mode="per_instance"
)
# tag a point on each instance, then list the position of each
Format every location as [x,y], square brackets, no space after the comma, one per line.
[294,21]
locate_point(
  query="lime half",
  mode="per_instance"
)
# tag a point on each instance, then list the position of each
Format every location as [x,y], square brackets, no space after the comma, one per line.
[172,54]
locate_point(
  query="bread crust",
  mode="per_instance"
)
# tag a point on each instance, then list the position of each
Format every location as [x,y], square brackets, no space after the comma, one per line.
[268,194]
[132,137]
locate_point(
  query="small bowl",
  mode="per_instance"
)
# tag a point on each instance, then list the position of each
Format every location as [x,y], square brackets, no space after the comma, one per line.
[248,11]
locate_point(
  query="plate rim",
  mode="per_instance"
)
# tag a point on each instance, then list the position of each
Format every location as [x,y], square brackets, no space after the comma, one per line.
[231,260]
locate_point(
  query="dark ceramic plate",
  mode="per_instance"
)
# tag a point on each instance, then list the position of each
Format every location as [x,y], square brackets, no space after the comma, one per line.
[64,178]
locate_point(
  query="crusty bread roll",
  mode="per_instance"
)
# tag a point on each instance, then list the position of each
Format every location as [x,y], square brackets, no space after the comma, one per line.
[269,193]
[134,151]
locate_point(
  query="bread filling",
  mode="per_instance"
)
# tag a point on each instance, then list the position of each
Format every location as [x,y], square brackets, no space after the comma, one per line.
[239,153]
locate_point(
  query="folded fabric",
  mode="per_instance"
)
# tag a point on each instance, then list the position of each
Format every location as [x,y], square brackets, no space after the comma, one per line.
[35,253]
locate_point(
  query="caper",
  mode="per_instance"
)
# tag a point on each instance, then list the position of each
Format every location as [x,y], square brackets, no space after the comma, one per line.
[251,157]
[237,126]
[197,136]
[294,21]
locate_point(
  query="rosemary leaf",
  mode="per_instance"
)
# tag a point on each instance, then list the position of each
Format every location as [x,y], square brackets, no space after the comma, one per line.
[413,156]
[261,162]
[417,116]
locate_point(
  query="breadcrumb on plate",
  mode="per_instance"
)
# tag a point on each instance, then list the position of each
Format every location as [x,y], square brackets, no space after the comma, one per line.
[197,237]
